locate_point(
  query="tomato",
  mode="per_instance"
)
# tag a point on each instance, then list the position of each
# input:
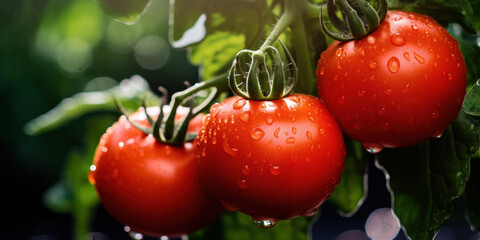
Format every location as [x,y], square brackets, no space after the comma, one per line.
[153,188]
[397,87]
[272,160]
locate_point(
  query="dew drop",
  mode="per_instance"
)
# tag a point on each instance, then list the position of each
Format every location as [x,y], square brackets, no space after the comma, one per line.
[310,213]
[91,176]
[309,135]
[294,130]
[276,132]
[449,76]
[239,103]
[269,120]
[437,134]
[388,92]
[135,235]
[339,52]
[104,149]
[215,109]
[204,152]
[398,39]
[290,140]
[246,170]
[121,144]
[397,18]
[242,183]
[341,100]
[385,126]
[382,111]
[373,147]
[372,64]
[257,134]
[265,222]
[361,93]
[244,116]
[406,56]
[321,131]
[419,58]
[435,115]
[229,149]
[393,64]
[228,206]
[275,170]
[414,26]
[371,39]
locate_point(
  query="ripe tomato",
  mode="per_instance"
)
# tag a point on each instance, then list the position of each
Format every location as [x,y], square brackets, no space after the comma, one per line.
[272,160]
[397,87]
[153,188]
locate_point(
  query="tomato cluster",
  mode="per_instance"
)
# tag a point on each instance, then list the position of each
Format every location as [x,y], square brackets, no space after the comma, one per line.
[282,158]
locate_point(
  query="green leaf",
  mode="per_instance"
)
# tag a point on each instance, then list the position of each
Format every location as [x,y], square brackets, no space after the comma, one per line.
[470,51]
[59,198]
[444,11]
[238,226]
[426,178]
[129,92]
[472,195]
[216,30]
[126,11]
[471,103]
[352,190]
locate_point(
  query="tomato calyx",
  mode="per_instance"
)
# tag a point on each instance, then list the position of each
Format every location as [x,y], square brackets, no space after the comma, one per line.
[158,126]
[360,18]
[262,74]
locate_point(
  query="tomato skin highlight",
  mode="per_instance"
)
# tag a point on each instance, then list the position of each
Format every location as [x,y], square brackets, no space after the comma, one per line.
[397,87]
[271,159]
[153,188]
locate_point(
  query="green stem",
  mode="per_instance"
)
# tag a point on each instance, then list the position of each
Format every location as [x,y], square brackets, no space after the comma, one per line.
[307,81]
[312,10]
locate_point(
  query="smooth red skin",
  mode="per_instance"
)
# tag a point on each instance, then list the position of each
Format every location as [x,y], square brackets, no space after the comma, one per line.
[151,187]
[374,105]
[308,169]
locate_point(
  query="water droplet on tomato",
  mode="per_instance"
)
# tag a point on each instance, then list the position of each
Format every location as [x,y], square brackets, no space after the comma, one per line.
[290,140]
[239,103]
[215,109]
[371,39]
[397,18]
[121,144]
[275,170]
[309,135]
[321,131]
[393,64]
[91,176]
[437,134]
[419,58]
[135,235]
[388,92]
[257,134]
[310,213]
[246,170]
[361,93]
[341,100]
[398,39]
[214,141]
[385,126]
[414,26]
[373,147]
[449,76]
[269,120]
[435,115]
[244,116]
[338,52]
[406,56]
[228,206]
[104,149]
[242,183]
[294,130]
[229,149]
[372,64]
[204,152]
[265,222]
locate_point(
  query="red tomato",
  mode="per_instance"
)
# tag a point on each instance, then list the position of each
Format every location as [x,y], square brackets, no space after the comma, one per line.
[272,160]
[397,87]
[153,188]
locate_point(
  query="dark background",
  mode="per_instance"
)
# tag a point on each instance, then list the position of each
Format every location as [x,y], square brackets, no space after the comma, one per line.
[40,64]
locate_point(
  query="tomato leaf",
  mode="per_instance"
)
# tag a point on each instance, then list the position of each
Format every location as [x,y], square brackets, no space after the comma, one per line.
[444,11]
[128,92]
[471,103]
[470,51]
[472,195]
[425,179]
[126,11]
[238,226]
[352,190]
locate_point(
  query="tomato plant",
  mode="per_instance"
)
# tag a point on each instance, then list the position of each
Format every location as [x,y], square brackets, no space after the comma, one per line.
[397,87]
[151,187]
[271,159]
